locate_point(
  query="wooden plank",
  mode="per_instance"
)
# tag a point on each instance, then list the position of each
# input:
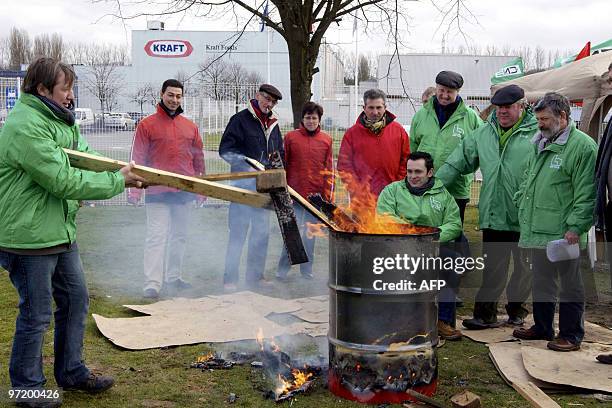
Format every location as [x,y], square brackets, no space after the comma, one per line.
[286,218]
[296,196]
[165,178]
[535,396]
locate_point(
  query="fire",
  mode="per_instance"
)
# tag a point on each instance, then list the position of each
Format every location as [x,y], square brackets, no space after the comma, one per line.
[315,230]
[299,379]
[360,216]
[202,359]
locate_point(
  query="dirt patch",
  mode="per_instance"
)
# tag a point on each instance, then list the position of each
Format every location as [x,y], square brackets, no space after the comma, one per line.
[157,404]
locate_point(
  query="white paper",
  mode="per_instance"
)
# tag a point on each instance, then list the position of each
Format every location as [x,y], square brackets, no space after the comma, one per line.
[561,250]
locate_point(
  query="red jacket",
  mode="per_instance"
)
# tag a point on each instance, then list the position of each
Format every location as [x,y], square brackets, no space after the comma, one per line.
[165,143]
[372,160]
[309,162]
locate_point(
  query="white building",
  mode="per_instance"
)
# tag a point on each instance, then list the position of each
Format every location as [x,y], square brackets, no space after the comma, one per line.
[158,55]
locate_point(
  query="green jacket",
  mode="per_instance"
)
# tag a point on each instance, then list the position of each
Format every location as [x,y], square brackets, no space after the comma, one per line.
[558,190]
[38,188]
[435,208]
[426,136]
[501,172]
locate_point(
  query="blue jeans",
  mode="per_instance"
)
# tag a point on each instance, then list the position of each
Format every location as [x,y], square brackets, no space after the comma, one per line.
[240,217]
[302,217]
[39,279]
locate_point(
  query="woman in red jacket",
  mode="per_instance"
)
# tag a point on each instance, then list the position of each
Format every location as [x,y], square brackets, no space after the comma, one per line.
[309,161]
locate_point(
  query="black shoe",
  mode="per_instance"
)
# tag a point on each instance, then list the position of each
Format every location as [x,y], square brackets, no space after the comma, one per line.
[39,404]
[179,284]
[604,358]
[94,384]
[150,294]
[515,321]
[479,324]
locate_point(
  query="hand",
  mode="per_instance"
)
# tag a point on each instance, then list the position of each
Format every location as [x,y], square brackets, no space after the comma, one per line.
[571,237]
[131,179]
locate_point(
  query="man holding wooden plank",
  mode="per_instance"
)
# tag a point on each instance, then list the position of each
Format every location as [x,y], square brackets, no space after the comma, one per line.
[254,133]
[167,140]
[39,193]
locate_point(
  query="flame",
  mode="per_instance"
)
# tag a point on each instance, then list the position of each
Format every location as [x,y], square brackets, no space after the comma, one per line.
[203,359]
[299,379]
[315,230]
[362,209]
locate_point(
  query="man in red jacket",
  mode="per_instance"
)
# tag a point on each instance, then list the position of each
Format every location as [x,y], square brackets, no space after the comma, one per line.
[373,152]
[309,166]
[168,141]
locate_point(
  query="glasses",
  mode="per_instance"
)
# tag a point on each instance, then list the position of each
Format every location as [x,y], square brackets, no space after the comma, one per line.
[271,100]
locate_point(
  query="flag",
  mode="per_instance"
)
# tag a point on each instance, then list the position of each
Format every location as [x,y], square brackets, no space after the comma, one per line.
[596,49]
[262,23]
[511,70]
[584,52]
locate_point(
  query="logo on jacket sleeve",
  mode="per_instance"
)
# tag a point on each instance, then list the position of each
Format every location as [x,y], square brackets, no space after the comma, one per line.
[555,162]
[435,204]
[168,48]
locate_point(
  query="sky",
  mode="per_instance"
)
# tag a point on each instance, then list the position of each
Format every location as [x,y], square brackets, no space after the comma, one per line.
[559,24]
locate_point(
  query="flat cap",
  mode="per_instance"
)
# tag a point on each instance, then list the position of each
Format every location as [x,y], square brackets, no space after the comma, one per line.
[271,90]
[449,79]
[508,95]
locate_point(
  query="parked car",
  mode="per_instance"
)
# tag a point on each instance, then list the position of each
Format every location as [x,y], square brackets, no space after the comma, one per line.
[138,116]
[119,121]
[84,117]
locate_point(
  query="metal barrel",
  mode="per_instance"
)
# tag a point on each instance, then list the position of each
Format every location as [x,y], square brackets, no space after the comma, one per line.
[382,338]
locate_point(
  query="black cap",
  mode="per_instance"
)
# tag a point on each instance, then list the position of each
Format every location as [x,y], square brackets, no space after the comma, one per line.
[271,90]
[508,95]
[449,79]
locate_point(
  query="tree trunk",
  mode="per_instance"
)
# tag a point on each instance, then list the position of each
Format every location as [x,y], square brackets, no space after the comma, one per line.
[302,58]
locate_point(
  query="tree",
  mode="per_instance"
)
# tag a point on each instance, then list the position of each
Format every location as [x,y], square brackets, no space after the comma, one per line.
[212,74]
[104,80]
[143,95]
[4,53]
[19,48]
[302,24]
[46,45]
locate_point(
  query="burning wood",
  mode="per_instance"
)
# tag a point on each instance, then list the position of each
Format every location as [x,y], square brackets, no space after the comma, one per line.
[212,361]
[215,361]
[286,378]
[361,217]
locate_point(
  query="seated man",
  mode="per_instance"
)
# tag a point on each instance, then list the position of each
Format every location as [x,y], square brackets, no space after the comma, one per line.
[421,199]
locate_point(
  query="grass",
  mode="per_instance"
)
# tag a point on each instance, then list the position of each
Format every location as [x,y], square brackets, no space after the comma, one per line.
[111,243]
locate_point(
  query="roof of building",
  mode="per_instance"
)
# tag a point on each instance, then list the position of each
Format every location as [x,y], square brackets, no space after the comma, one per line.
[419,71]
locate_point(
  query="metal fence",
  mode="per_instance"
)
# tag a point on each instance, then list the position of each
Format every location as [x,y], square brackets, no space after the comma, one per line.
[211,108]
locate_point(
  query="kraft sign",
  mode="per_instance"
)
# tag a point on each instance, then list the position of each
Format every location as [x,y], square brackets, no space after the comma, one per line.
[168,48]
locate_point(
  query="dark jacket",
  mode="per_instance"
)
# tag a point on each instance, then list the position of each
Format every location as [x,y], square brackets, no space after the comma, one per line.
[245,136]
[601,176]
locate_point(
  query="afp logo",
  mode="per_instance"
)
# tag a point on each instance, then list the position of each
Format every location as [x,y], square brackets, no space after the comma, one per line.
[168,48]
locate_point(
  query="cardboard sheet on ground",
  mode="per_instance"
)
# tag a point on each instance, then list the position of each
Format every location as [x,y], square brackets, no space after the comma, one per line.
[577,368]
[508,360]
[214,319]
[593,333]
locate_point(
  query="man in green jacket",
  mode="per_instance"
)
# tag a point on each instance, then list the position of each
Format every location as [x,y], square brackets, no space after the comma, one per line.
[421,199]
[500,148]
[556,201]
[39,193]
[439,126]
